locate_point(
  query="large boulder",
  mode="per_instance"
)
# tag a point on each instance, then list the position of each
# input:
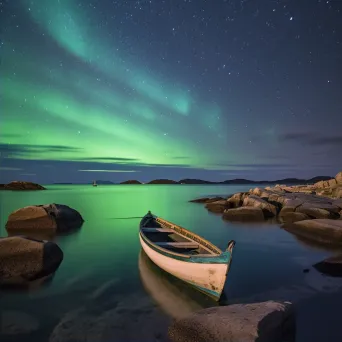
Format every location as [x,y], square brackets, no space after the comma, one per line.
[320,230]
[17,185]
[218,206]
[338,178]
[268,209]
[23,259]
[244,214]
[315,213]
[331,266]
[337,203]
[321,205]
[50,218]
[258,322]
[288,217]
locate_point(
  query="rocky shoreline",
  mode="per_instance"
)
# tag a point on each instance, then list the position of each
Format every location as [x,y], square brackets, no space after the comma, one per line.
[310,211]
[313,211]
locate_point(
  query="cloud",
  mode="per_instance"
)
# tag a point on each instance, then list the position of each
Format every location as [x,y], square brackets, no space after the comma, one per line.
[99,159]
[308,138]
[5,168]
[22,150]
[108,171]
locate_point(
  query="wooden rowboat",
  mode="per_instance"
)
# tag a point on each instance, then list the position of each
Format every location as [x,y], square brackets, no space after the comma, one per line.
[186,255]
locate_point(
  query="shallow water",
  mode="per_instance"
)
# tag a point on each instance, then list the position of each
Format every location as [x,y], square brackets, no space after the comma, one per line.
[106,277]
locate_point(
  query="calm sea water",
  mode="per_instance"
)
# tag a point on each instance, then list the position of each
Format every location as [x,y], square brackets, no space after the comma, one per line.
[105,277]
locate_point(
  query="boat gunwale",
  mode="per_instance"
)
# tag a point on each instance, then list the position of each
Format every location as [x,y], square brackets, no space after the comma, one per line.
[172,225]
[186,256]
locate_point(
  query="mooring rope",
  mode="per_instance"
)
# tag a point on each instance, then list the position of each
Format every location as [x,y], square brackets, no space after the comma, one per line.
[127,218]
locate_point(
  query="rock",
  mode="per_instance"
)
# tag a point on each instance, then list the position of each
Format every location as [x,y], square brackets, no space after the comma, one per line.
[268,209]
[338,178]
[286,209]
[321,205]
[50,218]
[236,200]
[218,206]
[320,230]
[277,199]
[23,259]
[331,266]
[337,192]
[319,185]
[116,322]
[289,217]
[207,199]
[337,203]
[315,213]
[16,322]
[290,202]
[262,322]
[17,185]
[256,191]
[244,214]
[332,182]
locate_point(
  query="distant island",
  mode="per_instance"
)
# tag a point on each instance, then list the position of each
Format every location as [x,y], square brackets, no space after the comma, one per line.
[131,182]
[190,181]
[20,185]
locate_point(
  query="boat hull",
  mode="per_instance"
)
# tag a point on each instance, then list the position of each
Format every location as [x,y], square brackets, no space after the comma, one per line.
[204,276]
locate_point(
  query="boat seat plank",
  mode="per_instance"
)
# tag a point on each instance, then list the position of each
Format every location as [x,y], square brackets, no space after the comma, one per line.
[178,244]
[157,230]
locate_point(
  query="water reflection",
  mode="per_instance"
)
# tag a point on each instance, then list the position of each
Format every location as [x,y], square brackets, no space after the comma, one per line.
[318,246]
[173,296]
[29,286]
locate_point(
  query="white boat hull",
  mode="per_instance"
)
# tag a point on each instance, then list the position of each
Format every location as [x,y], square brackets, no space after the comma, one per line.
[208,278]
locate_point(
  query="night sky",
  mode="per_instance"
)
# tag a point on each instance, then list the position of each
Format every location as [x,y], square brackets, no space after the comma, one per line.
[215,89]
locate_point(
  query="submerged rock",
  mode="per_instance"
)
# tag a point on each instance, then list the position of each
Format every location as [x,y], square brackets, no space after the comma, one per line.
[23,259]
[258,322]
[123,320]
[16,322]
[331,266]
[320,230]
[244,214]
[50,218]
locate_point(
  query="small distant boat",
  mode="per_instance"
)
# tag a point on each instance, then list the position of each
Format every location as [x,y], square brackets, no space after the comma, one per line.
[94,183]
[186,255]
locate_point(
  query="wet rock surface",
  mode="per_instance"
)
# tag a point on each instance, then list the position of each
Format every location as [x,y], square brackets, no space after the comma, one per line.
[294,206]
[265,322]
[50,218]
[23,260]
[331,266]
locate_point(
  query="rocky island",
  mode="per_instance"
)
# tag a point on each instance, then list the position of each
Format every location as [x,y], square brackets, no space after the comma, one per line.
[310,211]
[18,185]
[131,181]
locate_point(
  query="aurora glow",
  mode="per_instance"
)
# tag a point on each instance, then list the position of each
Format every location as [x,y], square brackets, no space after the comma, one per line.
[87,88]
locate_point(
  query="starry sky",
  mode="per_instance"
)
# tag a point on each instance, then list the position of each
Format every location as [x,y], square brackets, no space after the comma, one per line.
[219,89]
